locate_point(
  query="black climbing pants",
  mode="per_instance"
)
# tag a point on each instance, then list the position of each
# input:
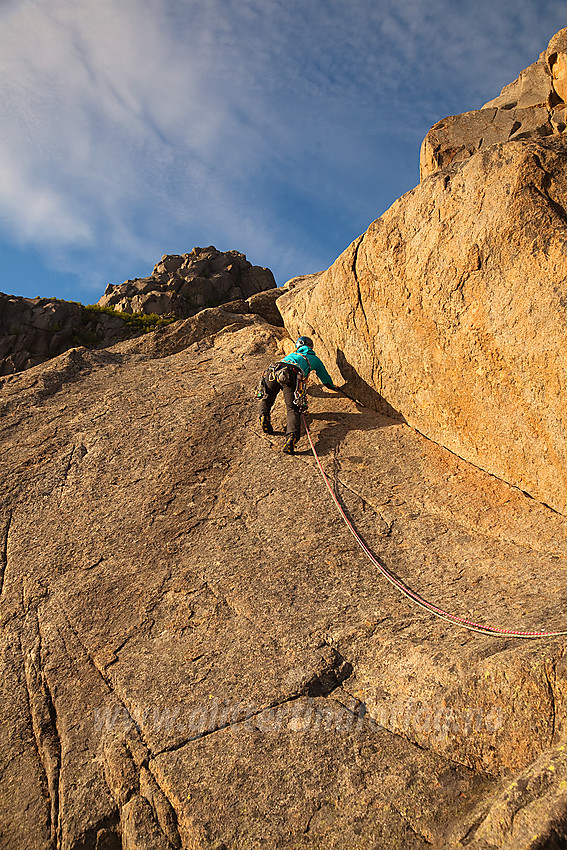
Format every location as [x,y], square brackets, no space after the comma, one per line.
[271,389]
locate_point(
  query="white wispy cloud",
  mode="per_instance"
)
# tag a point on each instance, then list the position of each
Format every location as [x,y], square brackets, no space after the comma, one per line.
[129,126]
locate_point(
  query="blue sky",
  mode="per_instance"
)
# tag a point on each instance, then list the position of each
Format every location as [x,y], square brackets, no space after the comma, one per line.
[279,128]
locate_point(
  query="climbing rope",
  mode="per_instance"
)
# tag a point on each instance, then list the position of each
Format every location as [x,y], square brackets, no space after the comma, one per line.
[407,591]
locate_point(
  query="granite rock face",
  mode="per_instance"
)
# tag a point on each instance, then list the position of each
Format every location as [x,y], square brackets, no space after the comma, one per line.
[34,329]
[532,107]
[453,312]
[180,286]
[194,651]
[196,654]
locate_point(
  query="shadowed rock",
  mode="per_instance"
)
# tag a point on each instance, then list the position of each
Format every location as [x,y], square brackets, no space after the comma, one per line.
[33,330]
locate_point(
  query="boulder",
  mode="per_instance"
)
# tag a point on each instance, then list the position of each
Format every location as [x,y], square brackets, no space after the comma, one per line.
[181,285]
[265,305]
[453,312]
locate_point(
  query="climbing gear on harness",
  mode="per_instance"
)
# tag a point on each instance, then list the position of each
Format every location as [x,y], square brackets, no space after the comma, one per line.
[261,388]
[275,373]
[300,394]
[289,446]
[407,591]
[279,372]
[284,376]
[266,424]
[304,340]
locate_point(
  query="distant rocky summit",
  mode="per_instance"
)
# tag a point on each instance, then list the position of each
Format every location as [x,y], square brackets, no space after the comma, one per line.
[32,330]
[455,300]
[180,286]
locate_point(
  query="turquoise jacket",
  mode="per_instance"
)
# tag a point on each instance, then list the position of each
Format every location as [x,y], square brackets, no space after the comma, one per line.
[306,359]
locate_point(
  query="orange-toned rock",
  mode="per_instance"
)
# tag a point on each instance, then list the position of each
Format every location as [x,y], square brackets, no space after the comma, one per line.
[450,311]
[533,106]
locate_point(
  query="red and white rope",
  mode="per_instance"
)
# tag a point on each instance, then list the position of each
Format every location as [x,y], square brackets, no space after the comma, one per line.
[408,592]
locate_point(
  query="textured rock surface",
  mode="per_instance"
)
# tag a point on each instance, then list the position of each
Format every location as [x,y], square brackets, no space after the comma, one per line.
[182,285]
[454,317]
[196,654]
[533,106]
[34,329]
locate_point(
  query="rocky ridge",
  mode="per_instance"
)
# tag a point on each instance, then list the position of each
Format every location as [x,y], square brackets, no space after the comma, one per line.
[32,330]
[180,286]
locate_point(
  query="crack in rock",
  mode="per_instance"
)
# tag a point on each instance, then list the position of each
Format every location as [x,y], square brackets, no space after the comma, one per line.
[4,540]
[44,724]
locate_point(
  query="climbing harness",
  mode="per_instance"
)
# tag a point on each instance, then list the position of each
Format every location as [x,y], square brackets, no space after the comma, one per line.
[300,394]
[408,592]
[283,373]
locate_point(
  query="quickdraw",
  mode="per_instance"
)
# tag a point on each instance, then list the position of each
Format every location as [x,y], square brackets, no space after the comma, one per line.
[300,394]
[271,372]
[270,375]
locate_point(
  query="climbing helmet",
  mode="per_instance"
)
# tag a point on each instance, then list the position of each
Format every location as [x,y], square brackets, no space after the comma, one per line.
[304,340]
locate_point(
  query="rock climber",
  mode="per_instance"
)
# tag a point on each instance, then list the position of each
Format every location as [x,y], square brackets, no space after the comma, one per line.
[290,376]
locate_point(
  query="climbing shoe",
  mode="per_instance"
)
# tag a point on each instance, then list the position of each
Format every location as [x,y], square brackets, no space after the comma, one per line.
[289,445]
[266,424]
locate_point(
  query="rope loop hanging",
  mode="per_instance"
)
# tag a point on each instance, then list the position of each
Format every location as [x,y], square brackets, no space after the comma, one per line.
[407,591]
